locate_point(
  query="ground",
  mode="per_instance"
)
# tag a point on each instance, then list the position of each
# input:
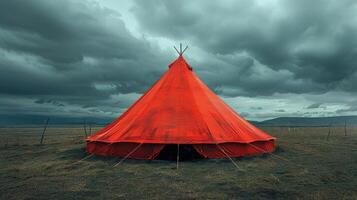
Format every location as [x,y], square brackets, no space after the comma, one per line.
[308,164]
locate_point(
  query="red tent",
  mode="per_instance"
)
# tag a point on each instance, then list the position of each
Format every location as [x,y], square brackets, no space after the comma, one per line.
[179,109]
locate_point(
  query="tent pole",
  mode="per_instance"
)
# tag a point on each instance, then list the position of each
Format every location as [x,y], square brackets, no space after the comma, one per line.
[184,49]
[131,152]
[180,52]
[178,156]
[177,50]
[234,163]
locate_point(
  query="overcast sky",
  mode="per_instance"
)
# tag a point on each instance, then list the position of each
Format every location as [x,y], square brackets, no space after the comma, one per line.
[267,59]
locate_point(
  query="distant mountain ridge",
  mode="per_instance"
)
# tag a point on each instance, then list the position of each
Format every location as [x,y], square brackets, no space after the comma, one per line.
[310,121]
[34,120]
[38,120]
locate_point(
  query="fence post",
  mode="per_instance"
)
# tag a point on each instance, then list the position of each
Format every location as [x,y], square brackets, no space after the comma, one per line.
[329,132]
[85,128]
[44,130]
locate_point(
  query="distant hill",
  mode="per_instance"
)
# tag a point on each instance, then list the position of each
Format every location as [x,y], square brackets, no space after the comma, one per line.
[35,121]
[310,121]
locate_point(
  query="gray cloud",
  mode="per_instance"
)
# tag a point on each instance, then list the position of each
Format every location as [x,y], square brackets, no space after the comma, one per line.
[314,105]
[307,46]
[71,53]
[84,58]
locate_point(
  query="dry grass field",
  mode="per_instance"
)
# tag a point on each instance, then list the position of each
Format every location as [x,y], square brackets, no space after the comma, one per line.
[306,165]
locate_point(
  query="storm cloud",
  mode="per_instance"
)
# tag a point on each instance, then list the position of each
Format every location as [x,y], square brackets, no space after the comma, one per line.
[72,53]
[94,58]
[307,46]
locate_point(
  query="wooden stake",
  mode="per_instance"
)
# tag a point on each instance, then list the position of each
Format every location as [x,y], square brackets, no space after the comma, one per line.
[44,130]
[85,128]
[90,128]
[345,128]
[178,156]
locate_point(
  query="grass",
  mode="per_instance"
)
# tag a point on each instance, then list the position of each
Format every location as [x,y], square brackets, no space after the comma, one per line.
[316,168]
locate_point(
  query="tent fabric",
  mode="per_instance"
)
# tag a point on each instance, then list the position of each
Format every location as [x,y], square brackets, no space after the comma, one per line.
[151,151]
[145,151]
[178,109]
[234,149]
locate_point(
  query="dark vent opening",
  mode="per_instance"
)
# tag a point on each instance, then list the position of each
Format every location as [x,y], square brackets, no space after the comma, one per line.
[187,152]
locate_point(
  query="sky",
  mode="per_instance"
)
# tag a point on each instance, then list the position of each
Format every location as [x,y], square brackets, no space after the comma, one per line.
[74,59]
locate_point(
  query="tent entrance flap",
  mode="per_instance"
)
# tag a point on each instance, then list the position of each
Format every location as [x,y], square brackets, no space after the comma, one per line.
[186,152]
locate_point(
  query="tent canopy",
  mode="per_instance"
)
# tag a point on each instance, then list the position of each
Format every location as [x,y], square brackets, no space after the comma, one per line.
[180,109]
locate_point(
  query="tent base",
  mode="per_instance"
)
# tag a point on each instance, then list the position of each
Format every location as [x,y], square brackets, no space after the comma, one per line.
[153,151]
